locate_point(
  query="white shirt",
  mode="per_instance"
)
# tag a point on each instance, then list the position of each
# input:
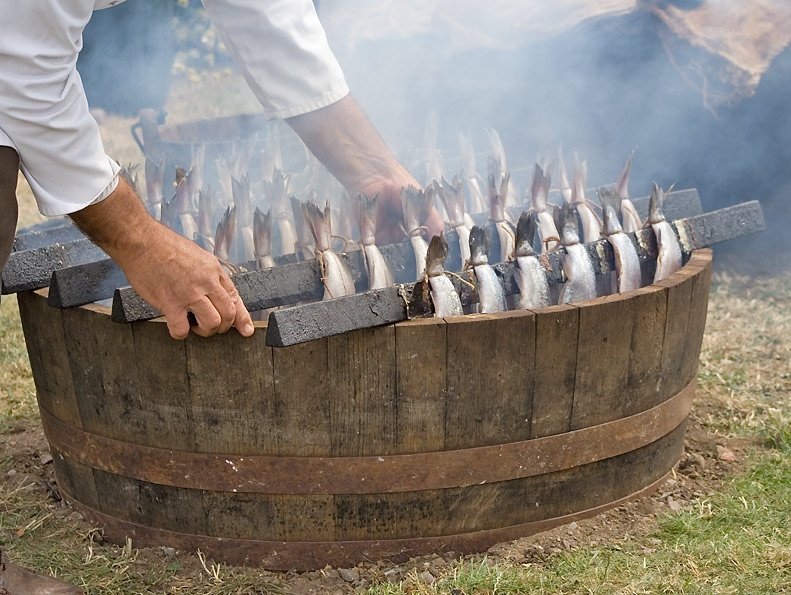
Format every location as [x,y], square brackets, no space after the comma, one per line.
[279,46]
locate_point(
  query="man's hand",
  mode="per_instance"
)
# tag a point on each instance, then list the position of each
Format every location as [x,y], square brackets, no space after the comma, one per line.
[168,271]
[389,228]
[344,140]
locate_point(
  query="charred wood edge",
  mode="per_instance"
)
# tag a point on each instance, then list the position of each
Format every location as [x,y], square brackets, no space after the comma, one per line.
[92,281]
[86,283]
[51,231]
[276,286]
[386,474]
[32,269]
[318,320]
[37,255]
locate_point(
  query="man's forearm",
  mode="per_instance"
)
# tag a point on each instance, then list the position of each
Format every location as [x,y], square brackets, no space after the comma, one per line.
[345,141]
[172,273]
[119,225]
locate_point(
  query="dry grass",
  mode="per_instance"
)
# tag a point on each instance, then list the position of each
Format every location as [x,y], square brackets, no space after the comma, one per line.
[746,365]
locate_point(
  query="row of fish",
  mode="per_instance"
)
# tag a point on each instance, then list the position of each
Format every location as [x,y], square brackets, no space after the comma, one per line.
[245,232]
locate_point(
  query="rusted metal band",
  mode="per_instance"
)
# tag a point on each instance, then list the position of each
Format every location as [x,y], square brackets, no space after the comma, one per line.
[311,555]
[370,474]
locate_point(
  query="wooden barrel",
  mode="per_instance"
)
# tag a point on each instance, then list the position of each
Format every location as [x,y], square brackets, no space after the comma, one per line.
[402,440]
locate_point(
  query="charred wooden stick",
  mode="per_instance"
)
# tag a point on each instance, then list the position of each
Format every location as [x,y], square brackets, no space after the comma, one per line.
[49,232]
[302,282]
[319,320]
[32,269]
[272,287]
[85,283]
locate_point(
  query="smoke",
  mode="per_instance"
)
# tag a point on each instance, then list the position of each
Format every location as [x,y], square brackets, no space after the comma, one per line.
[602,87]
[593,77]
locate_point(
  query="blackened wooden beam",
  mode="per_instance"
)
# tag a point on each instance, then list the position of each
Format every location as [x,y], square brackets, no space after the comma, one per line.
[267,288]
[721,225]
[276,286]
[85,283]
[312,321]
[32,269]
[300,282]
[46,233]
[58,244]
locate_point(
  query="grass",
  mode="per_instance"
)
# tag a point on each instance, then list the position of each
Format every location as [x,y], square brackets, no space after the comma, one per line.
[737,541]
[17,392]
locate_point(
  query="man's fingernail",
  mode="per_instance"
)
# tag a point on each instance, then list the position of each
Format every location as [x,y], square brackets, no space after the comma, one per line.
[248,329]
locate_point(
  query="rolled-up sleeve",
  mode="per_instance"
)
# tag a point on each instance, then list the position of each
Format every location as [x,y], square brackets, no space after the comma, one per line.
[43,109]
[282,51]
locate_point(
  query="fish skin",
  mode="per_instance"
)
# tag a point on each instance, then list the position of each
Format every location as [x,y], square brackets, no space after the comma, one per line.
[491,295]
[505,231]
[452,196]
[668,247]
[443,294]
[223,237]
[470,175]
[379,273]
[243,202]
[631,220]
[225,175]
[195,177]
[178,205]
[155,180]
[262,238]
[563,177]
[304,247]
[416,205]
[591,224]
[509,191]
[335,272]
[577,265]
[280,211]
[531,277]
[205,205]
[628,275]
[539,191]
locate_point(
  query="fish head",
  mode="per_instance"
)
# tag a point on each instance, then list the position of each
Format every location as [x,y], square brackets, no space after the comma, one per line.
[580,180]
[436,256]
[262,232]
[205,202]
[611,206]
[538,191]
[319,223]
[416,203]
[496,199]
[568,225]
[611,223]
[479,245]
[525,234]
[622,183]
[451,196]
[563,177]
[656,212]
[369,209]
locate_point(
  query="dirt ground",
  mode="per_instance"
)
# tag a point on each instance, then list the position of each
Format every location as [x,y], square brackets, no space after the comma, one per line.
[707,461]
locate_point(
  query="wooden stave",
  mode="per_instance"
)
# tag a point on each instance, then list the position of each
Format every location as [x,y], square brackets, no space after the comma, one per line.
[692,282]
